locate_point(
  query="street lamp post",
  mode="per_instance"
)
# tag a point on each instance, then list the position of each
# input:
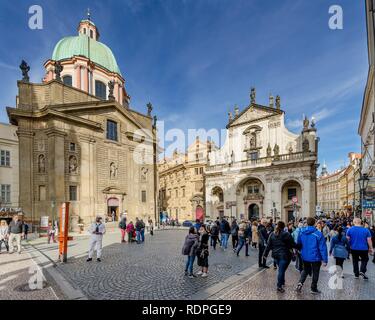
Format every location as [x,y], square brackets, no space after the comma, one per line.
[363,183]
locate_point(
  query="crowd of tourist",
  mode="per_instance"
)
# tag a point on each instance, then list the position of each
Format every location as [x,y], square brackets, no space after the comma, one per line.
[307,242]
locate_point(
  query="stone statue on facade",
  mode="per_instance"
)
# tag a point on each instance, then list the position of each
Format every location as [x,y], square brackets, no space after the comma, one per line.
[252,95]
[276,151]
[149,109]
[58,69]
[271,101]
[269,151]
[155,121]
[144,172]
[232,158]
[230,116]
[253,141]
[25,68]
[41,164]
[112,170]
[111,86]
[305,145]
[306,123]
[73,164]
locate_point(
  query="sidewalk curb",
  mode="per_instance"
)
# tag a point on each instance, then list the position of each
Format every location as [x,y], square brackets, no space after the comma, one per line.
[49,266]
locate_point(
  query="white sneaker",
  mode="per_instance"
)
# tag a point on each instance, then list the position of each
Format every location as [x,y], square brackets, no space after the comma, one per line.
[199,273]
[204,275]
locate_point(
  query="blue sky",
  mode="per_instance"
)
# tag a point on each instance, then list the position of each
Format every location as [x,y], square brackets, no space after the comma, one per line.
[195,59]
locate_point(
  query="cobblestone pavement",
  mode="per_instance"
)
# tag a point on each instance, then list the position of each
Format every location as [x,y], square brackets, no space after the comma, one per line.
[262,286]
[152,270]
[16,270]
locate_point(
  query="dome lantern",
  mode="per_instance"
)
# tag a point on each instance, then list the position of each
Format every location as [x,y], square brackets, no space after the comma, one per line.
[87,27]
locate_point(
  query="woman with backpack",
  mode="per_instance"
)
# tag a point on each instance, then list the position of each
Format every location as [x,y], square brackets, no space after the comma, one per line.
[339,248]
[189,249]
[234,232]
[281,243]
[202,251]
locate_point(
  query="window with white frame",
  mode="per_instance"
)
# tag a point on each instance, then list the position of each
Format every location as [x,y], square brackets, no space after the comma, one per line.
[5,158]
[5,193]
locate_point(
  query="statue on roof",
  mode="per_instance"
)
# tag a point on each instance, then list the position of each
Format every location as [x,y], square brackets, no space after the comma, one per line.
[252,95]
[111,86]
[149,109]
[278,102]
[58,69]
[306,123]
[25,68]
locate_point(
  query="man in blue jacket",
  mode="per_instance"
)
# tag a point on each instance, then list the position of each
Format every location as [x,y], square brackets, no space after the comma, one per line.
[314,251]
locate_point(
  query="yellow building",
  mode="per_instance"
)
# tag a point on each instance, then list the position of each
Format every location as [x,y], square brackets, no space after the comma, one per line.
[328,186]
[181,182]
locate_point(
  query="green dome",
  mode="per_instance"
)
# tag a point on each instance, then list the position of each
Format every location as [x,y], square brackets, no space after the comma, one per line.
[68,47]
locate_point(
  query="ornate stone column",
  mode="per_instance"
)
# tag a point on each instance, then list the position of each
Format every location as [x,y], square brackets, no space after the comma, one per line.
[56,167]
[26,184]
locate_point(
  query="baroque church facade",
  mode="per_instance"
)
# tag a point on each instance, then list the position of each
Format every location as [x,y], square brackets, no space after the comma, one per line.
[263,169]
[79,141]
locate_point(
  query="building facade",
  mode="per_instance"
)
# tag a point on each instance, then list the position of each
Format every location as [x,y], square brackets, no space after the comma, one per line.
[9,170]
[263,169]
[366,128]
[80,145]
[329,191]
[181,182]
[339,191]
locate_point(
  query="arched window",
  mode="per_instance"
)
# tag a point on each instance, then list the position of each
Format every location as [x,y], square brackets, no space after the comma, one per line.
[100,89]
[67,80]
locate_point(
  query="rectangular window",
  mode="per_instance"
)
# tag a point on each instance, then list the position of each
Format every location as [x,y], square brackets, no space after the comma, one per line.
[143,196]
[253,155]
[42,193]
[292,192]
[73,193]
[91,34]
[201,170]
[5,193]
[196,171]
[111,130]
[183,192]
[72,147]
[5,158]
[176,193]
[100,90]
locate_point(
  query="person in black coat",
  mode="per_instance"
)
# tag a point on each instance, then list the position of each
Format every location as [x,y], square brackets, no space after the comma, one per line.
[263,238]
[202,251]
[282,244]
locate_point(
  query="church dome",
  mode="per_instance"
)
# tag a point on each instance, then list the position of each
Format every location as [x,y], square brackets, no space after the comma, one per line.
[83,45]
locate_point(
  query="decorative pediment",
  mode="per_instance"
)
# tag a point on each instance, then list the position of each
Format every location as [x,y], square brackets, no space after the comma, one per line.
[253,113]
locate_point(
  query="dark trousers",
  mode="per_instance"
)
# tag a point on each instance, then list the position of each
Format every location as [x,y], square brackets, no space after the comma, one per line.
[6,244]
[340,262]
[234,241]
[261,259]
[308,268]
[282,265]
[214,241]
[359,255]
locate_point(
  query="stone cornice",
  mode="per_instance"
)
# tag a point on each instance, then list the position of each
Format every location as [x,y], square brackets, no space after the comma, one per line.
[55,132]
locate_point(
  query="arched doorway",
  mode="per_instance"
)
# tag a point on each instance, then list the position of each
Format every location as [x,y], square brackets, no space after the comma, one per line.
[218,201]
[253,211]
[199,213]
[291,198]
[113,209]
